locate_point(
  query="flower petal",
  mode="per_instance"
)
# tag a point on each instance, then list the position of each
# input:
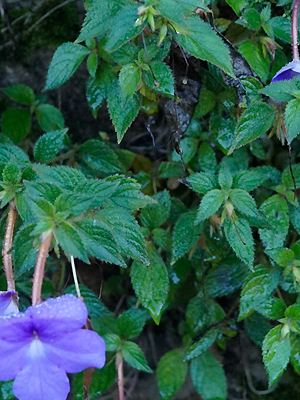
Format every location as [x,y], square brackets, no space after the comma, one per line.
[13,356]
[41,380]
[77,351]
[56,316]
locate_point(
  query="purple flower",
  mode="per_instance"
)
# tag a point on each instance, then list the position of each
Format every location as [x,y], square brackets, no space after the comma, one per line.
[38,348]
[288,72]
[8,302]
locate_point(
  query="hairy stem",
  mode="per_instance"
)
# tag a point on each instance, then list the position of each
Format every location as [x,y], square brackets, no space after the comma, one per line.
[7,246]
[120,371]
[295,30]
[39,270]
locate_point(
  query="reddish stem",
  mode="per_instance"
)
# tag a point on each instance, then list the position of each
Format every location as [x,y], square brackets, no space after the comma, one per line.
[39,270]
[7,246]
[120,371]
[295,30]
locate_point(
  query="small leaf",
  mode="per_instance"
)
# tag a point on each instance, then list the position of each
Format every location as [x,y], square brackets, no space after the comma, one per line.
[256,120]
[122,110]
[16,123]
[276,353]
[49,117]
[129,79]
[171,373]
[210,204]
[64,64]
[208,377]
[292,119]
[151,284]
[20,93]
[134,356]
[49,145]
[240,239]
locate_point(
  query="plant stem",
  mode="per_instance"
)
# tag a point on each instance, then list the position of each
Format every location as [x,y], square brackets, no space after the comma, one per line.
[295,30]
[120,371]
[39,270]
[75,278]
[7,246]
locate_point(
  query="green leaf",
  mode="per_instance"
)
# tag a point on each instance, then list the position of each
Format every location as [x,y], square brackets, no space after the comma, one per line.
[255,121]
[292,119]
[258,62]
[208,377]
[126,232]
[160,78]
[64,64]
[210,204]
[243,202]
[134,356]
[99,158]
[24,251]
[201,41]
[151,284]
[202,182]
[171,373]
[131,323]
[99,242]
[202,345]
[226,277]
[239,236]
[123,27]
[16,123]
[157,214]
[20,93]
[122,110]
[49,145]
[129,79]
[276,353]
[257,292]
[275,210]
[185,235]
[49,117]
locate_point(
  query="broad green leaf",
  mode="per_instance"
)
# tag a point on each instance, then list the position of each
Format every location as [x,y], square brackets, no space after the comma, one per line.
[255,121]
[292,119]
[123,27]
[151,284]
[239,236]
[210,204]
[185,235]
[202,345]
[49,117]
[257,292]
[20,93]
[99,242]
[202,182]
[275,210]
[243,202]
[131,323]
[157,214]
[276,353]
[16,123]
[160,78]
[64,64]
[171,373]
[49,145]
[208,377]
[129,79]
[134,356]
[99,158]
[226,277]
[24,251]
[122,110]
[253,54]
